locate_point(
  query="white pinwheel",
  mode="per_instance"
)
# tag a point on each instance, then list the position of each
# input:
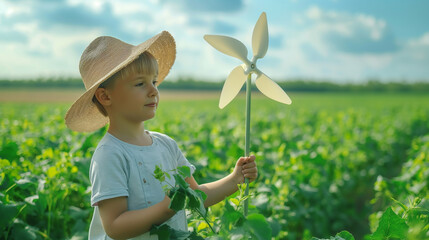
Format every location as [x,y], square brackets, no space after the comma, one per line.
[234,48]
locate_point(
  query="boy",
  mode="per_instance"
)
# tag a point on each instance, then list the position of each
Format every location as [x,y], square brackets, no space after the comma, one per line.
[121,82]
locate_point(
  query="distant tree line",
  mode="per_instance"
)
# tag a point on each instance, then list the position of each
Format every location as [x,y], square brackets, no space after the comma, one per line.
[369,86]
[42,83]
[192,84]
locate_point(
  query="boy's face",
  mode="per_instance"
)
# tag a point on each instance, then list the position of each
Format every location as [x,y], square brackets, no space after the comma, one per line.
[134,98]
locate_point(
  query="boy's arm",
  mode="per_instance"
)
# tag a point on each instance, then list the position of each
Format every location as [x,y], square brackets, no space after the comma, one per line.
[222,188]
[119,223]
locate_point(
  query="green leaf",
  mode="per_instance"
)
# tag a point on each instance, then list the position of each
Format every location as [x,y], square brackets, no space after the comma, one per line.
[228,206]
[30,200]
[390,226]
[179,234]
[79,236]
[235,201]
[52,172]
[275,227]
[159,174]
[185,171]
[172,191]
[178,200]
[25,183]
[238,233]
[167,174]
[419,210]
[8,212]
[22,230]
[9,150]
[196,201]
[163,231]
[257,224]
[202,194]
[181,181]
[343,235]
[77,213]
[232,217]
[400,204]
[202,226]
[194,236]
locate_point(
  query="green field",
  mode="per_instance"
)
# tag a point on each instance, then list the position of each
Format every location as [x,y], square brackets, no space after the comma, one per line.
[327,163]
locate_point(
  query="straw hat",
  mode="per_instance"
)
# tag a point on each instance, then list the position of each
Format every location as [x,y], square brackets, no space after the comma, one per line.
[104,57]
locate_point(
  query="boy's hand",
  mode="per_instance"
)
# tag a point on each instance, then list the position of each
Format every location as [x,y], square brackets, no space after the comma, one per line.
[245,168]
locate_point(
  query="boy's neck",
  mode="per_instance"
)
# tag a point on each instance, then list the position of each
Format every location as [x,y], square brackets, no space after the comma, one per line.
[133,134]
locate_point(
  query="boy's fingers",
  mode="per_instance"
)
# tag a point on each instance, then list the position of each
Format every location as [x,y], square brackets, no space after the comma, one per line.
[250,170]
[249,165]
[251,175]
[249,159]
[241,161]
[245,160]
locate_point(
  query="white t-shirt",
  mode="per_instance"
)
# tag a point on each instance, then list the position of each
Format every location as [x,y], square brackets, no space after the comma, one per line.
[123,169]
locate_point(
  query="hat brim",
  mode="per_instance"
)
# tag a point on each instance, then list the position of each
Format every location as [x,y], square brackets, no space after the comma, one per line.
[84,116]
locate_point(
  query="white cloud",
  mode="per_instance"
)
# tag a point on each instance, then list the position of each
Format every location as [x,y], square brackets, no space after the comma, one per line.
[53,40]
[412,61]
[95,5]
[318,43]
[323,49]
[337,45]
[207,6]
[423,41]
[351,33]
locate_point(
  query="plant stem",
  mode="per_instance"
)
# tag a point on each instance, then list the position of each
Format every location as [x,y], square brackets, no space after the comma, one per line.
[205,219]
[10,226]
[13,185]
[247,136]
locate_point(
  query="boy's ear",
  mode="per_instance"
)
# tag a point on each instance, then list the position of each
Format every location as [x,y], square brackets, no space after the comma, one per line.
[103,96]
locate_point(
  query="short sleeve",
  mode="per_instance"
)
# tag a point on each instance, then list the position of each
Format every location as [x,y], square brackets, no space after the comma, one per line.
[108,174]
[181,159]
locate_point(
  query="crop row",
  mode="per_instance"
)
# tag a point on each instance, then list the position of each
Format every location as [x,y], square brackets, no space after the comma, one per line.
[323,168]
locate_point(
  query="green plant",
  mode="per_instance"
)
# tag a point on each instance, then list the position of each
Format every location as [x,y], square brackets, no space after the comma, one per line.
[232,224]
[332,166]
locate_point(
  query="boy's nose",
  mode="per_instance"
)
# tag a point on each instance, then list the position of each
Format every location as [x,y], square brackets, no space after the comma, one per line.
[153,91]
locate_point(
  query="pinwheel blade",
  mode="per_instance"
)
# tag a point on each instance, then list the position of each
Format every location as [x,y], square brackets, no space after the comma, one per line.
[260,37]
[228,45]
[271,89]
[232,86]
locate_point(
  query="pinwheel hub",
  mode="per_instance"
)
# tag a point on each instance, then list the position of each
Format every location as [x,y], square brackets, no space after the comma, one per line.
[250,68]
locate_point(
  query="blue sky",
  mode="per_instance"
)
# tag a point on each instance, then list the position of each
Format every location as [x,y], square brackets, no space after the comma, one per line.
[337,40]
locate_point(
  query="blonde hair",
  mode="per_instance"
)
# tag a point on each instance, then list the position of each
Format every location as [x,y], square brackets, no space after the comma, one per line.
[144,64]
